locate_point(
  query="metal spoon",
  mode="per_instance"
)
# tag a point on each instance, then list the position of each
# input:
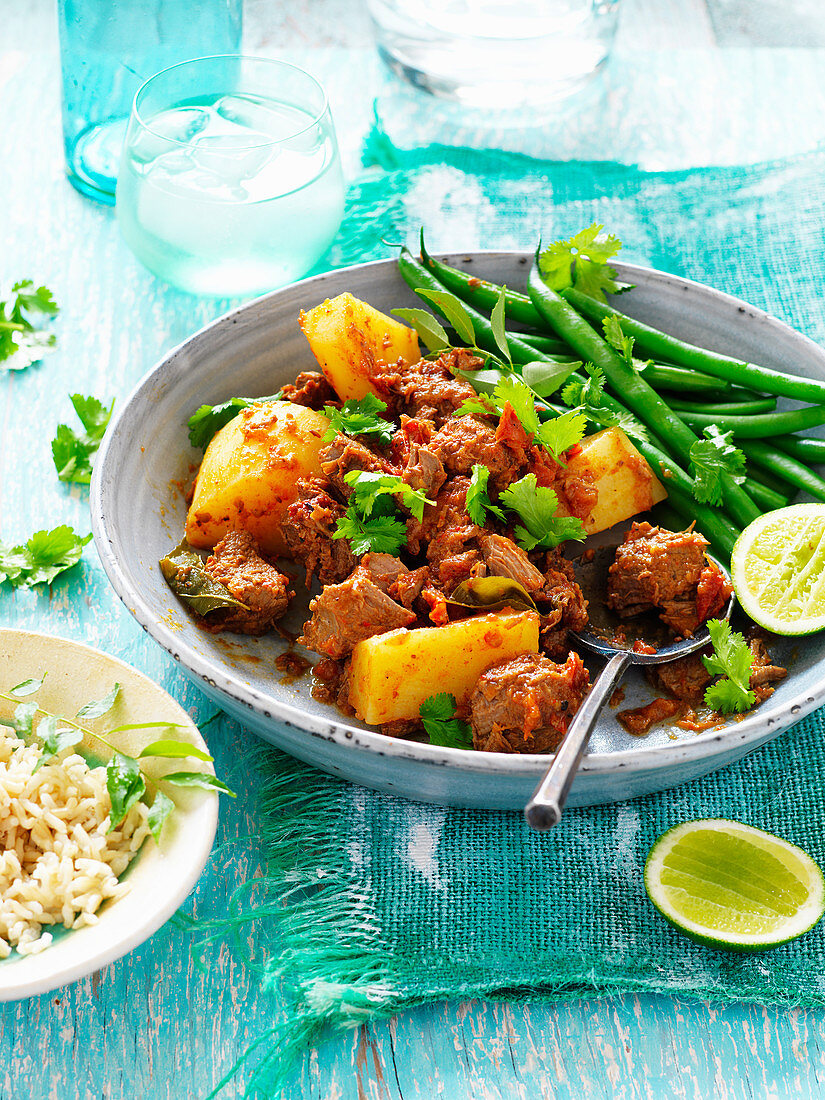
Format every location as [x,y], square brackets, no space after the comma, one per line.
[544,809]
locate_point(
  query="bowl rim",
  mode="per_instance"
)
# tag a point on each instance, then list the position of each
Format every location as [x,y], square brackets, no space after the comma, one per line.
[197,842]
[753,729]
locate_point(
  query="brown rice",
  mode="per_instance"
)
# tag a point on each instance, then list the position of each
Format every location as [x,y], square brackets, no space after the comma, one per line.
[57,863]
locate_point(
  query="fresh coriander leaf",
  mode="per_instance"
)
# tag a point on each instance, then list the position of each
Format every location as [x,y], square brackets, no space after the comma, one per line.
[174,750]
[72,452]
[453,310]
[536,505]
[359,417]
[616,338]
[20,349]
[482,405]
[545,378]
[497,325]
[379,534]
[208,420]
[99,707]
[55,739]
[42,558]
[125,785]
[32,299]
[197,779]
[611,418]
[522,399]
[426,326]
[581,262]
[711,458]
[367,487]
[478,500]
[733,661]
[561,433]
[161,807]
[443,728]
[28,687]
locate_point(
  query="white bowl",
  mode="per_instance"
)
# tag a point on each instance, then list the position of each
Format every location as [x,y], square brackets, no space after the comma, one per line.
[161,876]
[138,515]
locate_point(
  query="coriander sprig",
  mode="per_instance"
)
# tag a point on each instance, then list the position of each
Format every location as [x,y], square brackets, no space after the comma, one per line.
[732,660]
[23,339]
[443,728]
[359,416]
[125,780]
[73,451]
[41,558]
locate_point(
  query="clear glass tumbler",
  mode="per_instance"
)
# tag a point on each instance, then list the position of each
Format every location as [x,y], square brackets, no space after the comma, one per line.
[107,49]
[230,182]
[495,53]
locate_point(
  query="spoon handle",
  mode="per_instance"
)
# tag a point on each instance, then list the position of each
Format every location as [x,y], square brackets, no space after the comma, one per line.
[543,811]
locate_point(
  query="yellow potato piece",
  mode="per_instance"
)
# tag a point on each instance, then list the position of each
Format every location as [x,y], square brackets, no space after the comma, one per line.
[393,673]
[249,472]
[348,337]
[625,484]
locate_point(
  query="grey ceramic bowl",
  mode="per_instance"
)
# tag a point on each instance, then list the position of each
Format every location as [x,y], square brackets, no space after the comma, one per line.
[138,515]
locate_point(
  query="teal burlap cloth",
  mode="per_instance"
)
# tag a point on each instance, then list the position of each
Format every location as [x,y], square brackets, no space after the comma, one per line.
[379,903]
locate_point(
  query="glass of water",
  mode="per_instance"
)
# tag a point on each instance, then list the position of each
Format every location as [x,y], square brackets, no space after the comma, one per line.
[230,182]
[495,53]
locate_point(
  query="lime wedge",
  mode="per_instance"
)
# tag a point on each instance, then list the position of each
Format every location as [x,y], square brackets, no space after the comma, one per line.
[778,569]
[731,886]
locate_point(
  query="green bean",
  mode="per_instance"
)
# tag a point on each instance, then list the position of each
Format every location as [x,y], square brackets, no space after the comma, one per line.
[666,515]
[660,346]
[545,344]
[805,449]
[480,294]
[776,461]
[635,392]
[767,426]
[728,408]
[417,277]
[667,377]
[767,477]
[767,499]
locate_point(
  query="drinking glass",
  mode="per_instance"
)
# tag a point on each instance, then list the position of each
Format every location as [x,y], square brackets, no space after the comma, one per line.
[230,182]
[495,53]
[107,49]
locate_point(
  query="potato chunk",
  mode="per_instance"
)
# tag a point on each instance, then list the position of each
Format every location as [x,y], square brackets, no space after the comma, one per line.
[248,476]
[609,470]
[393,673]
[348,337]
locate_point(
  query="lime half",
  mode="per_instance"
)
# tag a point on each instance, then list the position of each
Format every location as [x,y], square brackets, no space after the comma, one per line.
[731,886]
[778,569]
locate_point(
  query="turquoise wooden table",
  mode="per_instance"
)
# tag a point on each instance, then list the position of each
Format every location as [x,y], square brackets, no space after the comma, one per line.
[170,1020]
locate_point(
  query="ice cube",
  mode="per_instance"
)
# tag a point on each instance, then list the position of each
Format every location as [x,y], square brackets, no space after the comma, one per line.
[276,120]
[165,130]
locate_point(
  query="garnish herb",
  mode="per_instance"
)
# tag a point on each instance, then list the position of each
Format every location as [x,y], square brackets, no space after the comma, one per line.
[372,521]
[42,558]
[581,263]
[359,416]
[183,570]
[454,311]
[72,451]
[22,339]
[478,500]
[712,457]
[443,728]
[588,398]
[536,505]
[209,419]
[561,433]
[497,325]
[426,326]
[733,661]
[125,781]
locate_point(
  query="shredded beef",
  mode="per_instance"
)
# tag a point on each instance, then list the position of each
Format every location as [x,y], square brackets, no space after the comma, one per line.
[408,587]
[525,704]
[685,678]
[343,455]
[426,389]
[504,559]
[561,603]
[454,555]
[347,613]
[237,563]
[309,528]
[450,508]
[310,389]
[763,671]
[423,470]
[667,570]
[638,720]
[468,440]
[330,684]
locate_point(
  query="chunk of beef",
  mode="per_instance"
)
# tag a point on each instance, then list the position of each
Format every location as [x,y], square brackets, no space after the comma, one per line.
[638,720]
[343,455]
[763,671]
[310,389]
[468,440]
[655,568]
[504,559]
[450,508]
[525,704]
[580,494]
[237,563]
[408,586]
[384,569]
[561,603]
[455,555]
[330,684]
[347,613]
[685,679]
[427,389]
[423,470]
[308,531]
